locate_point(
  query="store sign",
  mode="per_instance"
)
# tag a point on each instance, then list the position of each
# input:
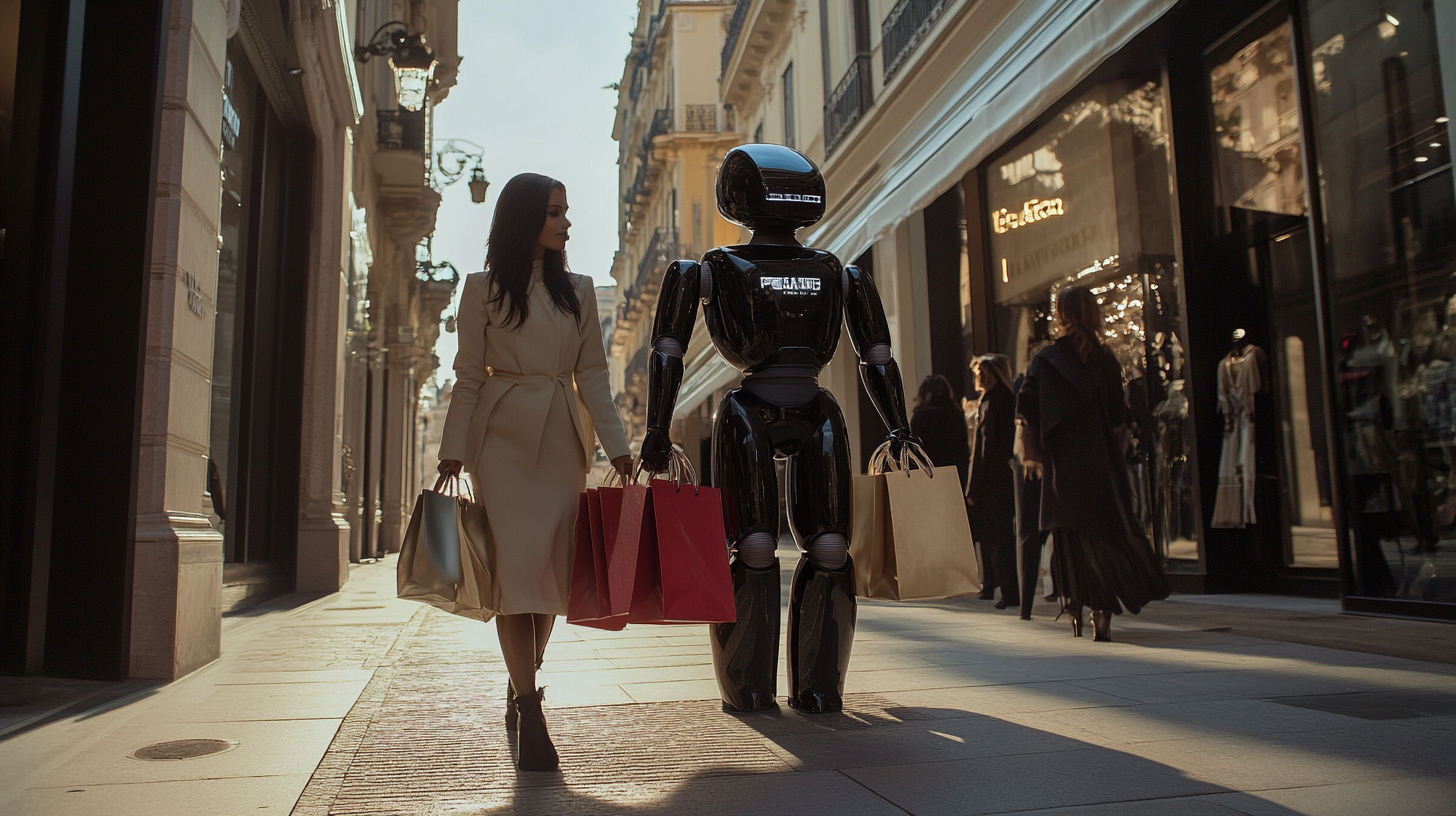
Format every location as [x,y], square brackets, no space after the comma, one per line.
[1004,220]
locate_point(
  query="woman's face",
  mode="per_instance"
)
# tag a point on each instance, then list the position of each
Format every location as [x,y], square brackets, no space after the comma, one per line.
[554,232]
[980,378]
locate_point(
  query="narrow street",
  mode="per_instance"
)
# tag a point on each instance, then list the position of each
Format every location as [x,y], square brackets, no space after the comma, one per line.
[358,703]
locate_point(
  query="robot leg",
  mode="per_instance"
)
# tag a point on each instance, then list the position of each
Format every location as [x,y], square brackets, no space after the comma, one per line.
[746,652]
[821,600]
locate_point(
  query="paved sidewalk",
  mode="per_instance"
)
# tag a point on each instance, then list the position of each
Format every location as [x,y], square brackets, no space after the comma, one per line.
[359,703]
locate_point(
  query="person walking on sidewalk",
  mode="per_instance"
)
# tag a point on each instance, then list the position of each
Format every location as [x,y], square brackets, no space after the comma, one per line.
[531,390]
[1075,413]
[991,494]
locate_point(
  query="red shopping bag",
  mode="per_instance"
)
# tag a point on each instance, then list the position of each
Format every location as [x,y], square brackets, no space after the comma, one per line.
[636,572]
[588,603]
[676,528]
[692,554]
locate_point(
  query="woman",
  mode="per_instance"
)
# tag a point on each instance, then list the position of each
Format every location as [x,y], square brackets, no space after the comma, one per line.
[531,379]
[991,493]
[1073,406]
[940,426]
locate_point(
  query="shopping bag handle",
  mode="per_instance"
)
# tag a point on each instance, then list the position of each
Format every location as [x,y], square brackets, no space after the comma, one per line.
[457,485]
[882,462]
[680,470]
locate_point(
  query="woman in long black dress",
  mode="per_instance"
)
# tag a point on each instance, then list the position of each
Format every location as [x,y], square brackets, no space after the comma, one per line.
[1073,405]
[991,493]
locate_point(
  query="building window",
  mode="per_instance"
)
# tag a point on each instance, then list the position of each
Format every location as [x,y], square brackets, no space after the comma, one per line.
[1085,200]
[1390,215]
[789,136]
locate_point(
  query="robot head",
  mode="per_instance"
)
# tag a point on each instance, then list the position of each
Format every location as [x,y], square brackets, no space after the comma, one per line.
[770,186]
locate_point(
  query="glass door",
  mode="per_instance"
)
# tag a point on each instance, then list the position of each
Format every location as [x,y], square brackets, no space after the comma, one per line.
[1274,474]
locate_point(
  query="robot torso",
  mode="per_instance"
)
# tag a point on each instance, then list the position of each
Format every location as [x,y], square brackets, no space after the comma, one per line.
[773,305]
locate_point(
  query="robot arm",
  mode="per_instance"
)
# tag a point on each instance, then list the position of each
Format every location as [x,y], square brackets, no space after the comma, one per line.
[869,332]
[677,311]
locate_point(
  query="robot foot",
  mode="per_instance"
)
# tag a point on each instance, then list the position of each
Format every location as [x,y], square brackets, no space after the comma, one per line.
[821,634]
[746,653]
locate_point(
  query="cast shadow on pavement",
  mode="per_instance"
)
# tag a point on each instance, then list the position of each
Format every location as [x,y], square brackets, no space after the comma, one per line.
[894,761]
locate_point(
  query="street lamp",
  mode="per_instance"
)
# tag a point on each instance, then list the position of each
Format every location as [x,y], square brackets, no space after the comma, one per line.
[451,160]
[413,61]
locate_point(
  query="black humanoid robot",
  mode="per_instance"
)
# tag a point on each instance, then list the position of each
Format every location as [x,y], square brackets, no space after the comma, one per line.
[774,309]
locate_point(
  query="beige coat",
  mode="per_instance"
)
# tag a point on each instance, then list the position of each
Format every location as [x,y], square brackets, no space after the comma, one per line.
[526,409]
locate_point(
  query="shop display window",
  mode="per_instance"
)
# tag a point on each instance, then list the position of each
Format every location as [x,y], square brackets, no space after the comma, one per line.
[1274,470]
[1087,199]
[1390,224]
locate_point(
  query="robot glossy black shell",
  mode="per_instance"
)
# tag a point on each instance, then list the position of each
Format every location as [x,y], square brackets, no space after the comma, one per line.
[770,186]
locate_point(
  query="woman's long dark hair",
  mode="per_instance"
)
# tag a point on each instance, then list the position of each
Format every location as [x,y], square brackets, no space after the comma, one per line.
[520,213]
[935,390]
[1080,319]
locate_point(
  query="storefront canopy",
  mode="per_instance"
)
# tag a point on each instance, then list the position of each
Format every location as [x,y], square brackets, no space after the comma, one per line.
[1045,49]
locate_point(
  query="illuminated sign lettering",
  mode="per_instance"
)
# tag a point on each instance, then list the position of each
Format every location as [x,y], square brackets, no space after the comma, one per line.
[806,199]
[1004,220]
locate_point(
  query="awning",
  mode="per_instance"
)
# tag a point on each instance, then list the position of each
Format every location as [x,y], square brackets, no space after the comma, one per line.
[1042,50]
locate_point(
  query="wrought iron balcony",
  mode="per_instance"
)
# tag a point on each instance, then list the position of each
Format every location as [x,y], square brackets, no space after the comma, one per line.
[735,28]
[401,130]
[701,118]
[903,29]
[661,251]
[850,100]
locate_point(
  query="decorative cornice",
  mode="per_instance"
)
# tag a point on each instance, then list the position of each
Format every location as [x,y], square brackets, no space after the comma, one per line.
[274,74]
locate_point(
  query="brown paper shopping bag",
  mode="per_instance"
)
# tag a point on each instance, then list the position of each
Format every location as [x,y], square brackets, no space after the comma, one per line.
[911,539]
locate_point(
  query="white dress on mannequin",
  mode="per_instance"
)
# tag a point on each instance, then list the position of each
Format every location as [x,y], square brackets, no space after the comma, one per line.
[1238,381]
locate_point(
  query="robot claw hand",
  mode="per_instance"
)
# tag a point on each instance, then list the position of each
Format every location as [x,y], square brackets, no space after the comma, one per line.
[656,451]
[904,448]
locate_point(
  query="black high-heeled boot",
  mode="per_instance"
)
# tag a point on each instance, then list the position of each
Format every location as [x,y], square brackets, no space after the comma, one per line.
[821,634]
[1075,610]
[536,753]
[1101,626]
[512,715]
[746,652]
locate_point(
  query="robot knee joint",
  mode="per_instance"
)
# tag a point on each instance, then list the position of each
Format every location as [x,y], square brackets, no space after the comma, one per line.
[829,551]
[757,550]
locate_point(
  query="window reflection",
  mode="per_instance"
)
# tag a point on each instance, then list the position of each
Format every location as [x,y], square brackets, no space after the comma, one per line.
[1086,199]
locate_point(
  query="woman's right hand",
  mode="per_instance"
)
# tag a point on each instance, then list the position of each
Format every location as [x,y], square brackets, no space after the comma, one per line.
[451,467]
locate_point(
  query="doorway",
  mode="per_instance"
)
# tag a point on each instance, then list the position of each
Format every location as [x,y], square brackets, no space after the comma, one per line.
[1284,506]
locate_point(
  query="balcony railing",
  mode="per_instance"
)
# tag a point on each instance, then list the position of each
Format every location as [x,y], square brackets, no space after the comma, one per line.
[701,118]
[661,251]
[850,100]
[401,130]
[735,28]
[904,27]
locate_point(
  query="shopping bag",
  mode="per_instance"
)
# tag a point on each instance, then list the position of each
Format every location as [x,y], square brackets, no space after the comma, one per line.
[446,559]
[911,539]
[676,527]
[588,603]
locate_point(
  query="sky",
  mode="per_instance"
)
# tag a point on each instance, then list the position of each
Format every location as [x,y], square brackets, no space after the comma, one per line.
[531,93]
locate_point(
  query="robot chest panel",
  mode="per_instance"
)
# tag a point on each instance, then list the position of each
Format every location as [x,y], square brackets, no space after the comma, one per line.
[762,305]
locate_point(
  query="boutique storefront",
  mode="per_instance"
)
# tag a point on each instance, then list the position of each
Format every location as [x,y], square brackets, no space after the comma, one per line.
[1262,198]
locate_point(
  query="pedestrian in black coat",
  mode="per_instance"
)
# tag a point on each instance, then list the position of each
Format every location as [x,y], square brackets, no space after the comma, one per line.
[1076,415]
[991,493]
[941,427]
[1030,537]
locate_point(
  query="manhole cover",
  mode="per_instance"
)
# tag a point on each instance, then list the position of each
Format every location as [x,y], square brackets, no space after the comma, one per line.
[184,749]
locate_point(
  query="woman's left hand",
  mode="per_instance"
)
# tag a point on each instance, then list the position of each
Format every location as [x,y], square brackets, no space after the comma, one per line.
[623,464]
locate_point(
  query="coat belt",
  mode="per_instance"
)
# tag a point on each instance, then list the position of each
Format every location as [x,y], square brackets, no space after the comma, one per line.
[585,430]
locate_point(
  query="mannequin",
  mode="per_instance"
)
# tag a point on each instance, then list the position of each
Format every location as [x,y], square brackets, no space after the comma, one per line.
[1238,380]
